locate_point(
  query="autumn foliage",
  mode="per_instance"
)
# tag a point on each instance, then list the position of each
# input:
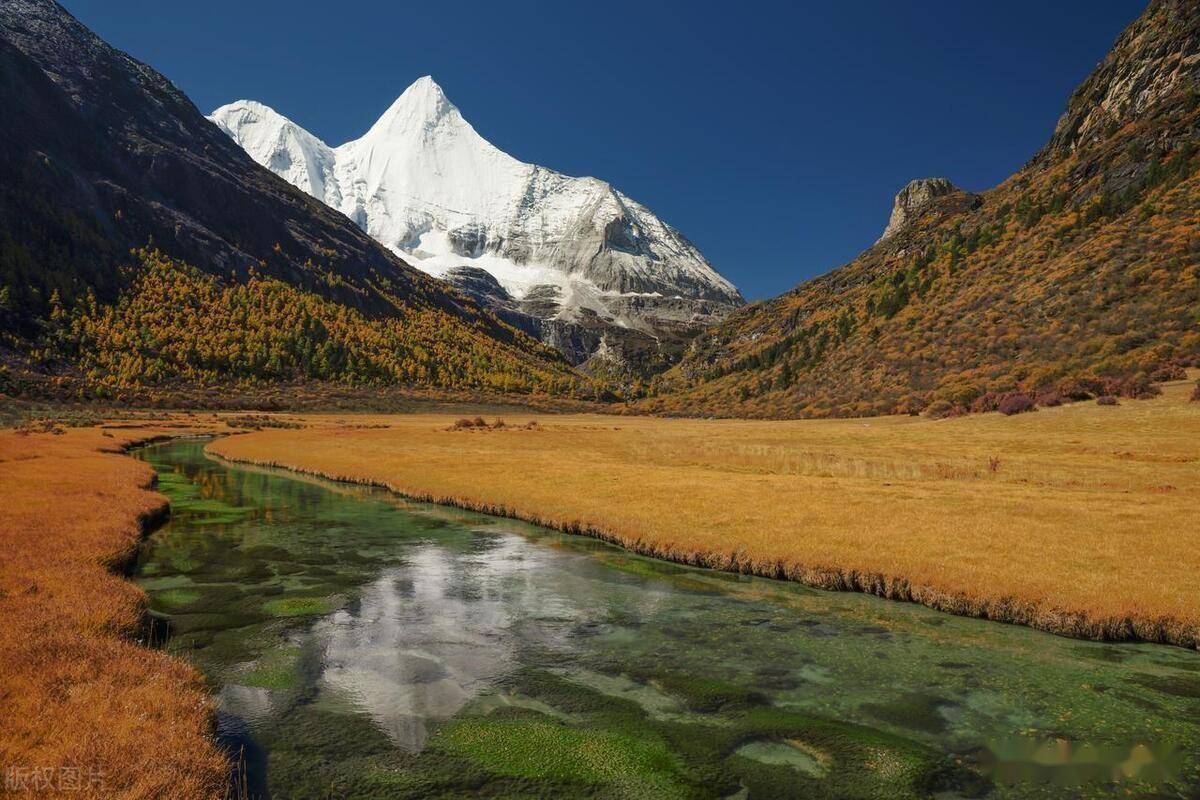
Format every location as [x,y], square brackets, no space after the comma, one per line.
[174,323]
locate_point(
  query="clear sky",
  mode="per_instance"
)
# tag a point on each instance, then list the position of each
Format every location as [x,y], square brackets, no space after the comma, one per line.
[774,135]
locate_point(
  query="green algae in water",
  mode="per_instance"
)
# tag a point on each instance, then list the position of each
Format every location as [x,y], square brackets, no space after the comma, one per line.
[300,606]
[361,645]
[539,749]
[175,598]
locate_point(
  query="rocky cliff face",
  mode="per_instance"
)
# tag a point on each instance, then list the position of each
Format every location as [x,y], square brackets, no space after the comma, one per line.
[1154,58]
[589,340]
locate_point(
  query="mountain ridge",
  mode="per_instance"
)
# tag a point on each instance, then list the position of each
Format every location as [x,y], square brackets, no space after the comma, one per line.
[588,261]
[423,115]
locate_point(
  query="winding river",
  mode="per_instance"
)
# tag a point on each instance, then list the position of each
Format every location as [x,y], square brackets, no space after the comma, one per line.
[361,645]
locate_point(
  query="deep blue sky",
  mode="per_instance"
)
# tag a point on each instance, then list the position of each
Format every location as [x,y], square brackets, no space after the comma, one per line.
[774,135]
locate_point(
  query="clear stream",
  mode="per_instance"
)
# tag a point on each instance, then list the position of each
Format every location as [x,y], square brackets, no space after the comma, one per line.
[362,645]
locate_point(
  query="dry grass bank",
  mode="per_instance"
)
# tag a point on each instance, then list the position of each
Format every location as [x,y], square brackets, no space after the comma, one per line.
[1078,520]
[86,711]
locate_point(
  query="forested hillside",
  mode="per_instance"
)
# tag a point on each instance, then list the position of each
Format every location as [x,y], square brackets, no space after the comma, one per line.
[1077,277]
[175,323]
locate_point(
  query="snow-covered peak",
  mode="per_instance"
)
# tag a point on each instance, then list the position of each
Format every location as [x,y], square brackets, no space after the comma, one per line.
[423,182]
[421,107]
[279,144]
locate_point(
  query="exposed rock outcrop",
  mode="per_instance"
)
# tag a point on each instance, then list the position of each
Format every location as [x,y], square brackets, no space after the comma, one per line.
[597,340]
[913,199]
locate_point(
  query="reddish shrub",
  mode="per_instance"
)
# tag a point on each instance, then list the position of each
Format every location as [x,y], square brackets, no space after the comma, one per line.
[1136,387]
[1107,400]
[1081,388]
[986,402]
[1050,397]
[1016,403]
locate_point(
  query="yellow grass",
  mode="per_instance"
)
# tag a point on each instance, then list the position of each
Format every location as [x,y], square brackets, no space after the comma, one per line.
[1080,520]
[85,711]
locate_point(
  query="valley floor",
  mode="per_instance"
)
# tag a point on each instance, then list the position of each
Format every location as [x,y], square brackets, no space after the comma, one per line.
[1077,520]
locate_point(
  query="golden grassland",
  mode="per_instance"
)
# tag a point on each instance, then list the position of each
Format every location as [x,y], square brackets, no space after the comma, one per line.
[1079,520]
[85,710]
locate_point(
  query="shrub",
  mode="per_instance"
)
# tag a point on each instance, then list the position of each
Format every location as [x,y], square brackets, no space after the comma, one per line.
[1081,387]
[957,394]
[1050,397]
[1169,372]
[1107,400]
[1196,393]
[1136,387]
[941,409]
[912,405]
[1016,403]
[986,402]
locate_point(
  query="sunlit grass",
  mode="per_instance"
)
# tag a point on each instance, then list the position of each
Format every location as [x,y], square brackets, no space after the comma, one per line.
[1075,519]
[81,700]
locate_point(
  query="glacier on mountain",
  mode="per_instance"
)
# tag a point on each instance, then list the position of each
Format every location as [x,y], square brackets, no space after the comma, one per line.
[424,183]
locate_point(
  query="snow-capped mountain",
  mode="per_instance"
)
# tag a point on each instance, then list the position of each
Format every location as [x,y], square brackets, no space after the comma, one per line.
[424,183]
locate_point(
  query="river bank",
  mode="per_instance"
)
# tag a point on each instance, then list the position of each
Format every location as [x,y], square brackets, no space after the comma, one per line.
[88,709]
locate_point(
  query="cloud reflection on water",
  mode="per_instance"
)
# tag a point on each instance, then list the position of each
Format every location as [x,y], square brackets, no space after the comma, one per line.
[427,637]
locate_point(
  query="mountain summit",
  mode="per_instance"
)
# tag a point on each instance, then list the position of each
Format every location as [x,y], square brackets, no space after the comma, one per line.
[424,183]
[914,198]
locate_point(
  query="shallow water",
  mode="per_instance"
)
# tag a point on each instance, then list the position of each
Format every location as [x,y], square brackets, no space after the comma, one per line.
[361,645]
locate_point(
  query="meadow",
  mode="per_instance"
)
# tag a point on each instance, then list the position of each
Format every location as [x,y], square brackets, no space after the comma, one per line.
[1078,519]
